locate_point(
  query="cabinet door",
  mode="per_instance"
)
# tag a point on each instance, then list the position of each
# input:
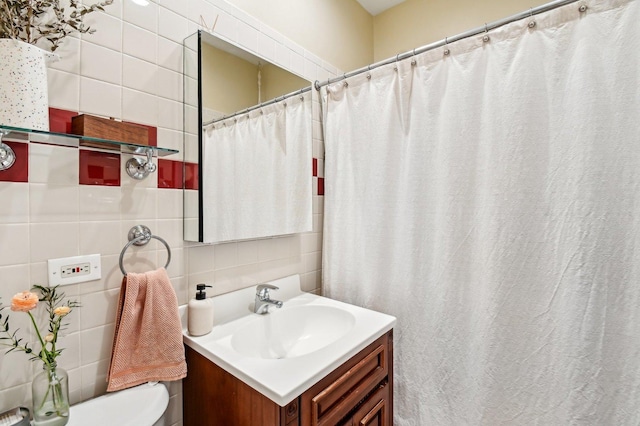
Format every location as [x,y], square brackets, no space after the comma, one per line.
[375,411]
[213,397]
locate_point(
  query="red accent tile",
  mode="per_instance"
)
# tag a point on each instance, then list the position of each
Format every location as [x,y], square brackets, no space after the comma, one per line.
[153,136]
[191,175]
[320,186]
[170,174]
[315,167]
[99,168]
[19,172]
[153,133]
[60,120]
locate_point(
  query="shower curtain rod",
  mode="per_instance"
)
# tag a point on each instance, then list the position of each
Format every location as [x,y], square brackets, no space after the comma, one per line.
[480,30]
[272,101]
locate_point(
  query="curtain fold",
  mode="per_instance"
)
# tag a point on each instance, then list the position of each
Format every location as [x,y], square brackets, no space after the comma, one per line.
[490,199]
[257,174]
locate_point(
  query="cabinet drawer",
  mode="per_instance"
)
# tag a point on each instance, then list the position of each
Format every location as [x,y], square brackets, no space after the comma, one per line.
[332,398]
[375,411]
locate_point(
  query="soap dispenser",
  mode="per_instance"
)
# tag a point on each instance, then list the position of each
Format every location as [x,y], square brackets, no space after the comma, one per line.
[200,313]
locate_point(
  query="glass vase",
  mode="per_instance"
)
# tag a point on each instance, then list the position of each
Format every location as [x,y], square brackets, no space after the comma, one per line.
[50,392]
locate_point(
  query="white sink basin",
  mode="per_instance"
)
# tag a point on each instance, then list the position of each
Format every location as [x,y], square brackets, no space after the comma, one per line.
[289,333]
[283,353]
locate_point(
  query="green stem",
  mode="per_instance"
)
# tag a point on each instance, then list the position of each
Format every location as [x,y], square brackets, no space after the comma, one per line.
[44,398]
[16,346]
[43,351]
[57,397]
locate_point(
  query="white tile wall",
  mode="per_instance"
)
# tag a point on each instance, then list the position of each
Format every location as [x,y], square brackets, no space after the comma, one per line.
[139,43]
[140,75]
[53,203]
[110,34]
[141,107]
[100,63]
[141,16]
[69,98]
[170,54]
[98,98]
[54,165]
[69,53]
[169,84]
[15,208]
[172,26]
[99,203]
[171,139]
[131,69]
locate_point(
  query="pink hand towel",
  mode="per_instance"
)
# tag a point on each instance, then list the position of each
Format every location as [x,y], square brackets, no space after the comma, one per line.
[147,345]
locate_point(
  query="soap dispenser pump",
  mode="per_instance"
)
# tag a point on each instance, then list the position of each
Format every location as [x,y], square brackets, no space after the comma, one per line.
[200,312]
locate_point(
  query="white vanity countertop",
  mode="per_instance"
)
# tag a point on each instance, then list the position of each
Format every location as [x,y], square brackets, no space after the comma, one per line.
[282,380]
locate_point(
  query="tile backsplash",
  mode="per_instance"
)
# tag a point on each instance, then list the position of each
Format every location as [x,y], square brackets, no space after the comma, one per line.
[62,201]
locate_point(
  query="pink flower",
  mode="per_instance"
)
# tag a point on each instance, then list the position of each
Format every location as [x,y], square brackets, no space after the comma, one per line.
[24,301]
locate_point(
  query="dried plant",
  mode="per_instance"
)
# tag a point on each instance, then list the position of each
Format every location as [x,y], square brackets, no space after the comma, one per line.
[34,20]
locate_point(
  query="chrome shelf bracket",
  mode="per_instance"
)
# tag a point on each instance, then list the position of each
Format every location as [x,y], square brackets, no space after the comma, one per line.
[7,156]
[139,168]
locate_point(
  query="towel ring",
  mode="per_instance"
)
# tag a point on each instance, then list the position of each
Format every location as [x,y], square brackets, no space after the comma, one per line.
[140,235]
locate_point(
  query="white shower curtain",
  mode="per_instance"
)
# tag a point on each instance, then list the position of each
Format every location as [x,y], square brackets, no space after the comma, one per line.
[490,200]
[257,178]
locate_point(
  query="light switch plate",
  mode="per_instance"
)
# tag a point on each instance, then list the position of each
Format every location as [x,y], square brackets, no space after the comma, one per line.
[73,270]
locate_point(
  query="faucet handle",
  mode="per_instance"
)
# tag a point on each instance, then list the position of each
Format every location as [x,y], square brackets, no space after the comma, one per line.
[262,290]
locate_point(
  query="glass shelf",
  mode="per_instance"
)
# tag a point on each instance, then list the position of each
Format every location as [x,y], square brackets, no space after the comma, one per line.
[65,139]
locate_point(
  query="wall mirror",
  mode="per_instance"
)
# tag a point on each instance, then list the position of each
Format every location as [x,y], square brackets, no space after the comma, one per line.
[222,80]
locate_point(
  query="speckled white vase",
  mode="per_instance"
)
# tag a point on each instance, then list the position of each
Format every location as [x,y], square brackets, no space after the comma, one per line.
[24,97]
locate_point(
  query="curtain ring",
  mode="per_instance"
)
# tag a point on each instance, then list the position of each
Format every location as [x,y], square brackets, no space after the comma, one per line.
[369,73]
[531,23]
[395,68]
[446,47]
[486,37]
[413,60]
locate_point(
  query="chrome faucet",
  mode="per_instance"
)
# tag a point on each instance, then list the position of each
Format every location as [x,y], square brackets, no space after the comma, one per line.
[263,300]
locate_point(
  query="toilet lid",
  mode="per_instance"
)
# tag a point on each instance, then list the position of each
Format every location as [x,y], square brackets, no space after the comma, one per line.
[139,406]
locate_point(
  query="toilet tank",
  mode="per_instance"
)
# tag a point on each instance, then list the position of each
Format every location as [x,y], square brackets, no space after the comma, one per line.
[142,405]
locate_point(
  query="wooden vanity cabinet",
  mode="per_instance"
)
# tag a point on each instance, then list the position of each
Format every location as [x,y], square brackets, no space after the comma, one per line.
[358,393]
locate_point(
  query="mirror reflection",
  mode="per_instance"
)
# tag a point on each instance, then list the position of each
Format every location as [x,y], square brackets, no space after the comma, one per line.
[248,126]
